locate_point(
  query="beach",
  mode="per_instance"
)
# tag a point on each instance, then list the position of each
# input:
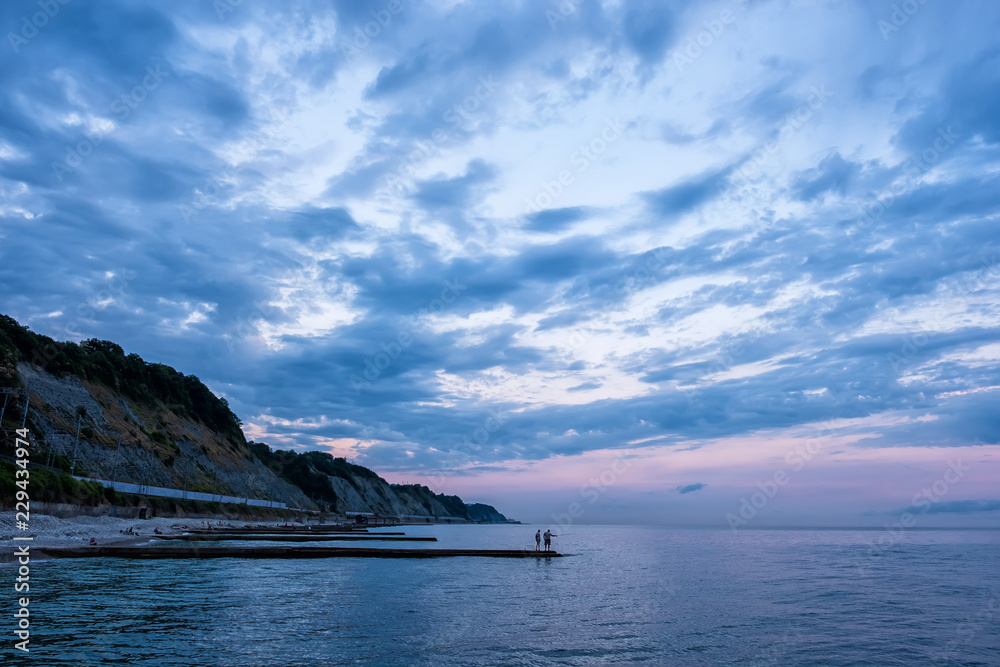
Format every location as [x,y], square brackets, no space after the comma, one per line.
[50,531]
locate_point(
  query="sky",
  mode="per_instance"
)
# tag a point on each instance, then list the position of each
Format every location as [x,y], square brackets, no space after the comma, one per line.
[730,263]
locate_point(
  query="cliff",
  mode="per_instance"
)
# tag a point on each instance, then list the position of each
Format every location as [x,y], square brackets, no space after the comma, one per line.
[346,487]
[481,513]
[149,424]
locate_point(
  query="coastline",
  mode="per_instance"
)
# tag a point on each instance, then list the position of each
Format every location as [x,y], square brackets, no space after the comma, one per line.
[51,531]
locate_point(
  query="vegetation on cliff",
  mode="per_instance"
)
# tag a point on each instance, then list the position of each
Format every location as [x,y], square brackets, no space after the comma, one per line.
[54,486]
[105,363]
[485,514]
[455,505]
[309,470]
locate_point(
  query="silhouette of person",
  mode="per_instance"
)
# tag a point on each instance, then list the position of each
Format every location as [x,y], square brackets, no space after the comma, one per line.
[538,540]
[548,539]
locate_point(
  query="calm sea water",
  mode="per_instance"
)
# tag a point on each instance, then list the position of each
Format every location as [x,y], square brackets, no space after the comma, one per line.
[626,595]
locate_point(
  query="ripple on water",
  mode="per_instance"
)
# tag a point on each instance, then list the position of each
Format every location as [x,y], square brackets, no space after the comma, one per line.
[630,596]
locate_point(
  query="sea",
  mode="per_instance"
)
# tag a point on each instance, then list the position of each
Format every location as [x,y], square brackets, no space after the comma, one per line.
[628,595]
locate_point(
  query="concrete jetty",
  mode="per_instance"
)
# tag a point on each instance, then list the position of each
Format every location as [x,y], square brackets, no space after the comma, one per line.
[152,552]
[329,537]
[281,529]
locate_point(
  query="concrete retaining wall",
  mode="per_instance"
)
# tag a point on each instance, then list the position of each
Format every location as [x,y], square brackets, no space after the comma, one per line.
[163,492]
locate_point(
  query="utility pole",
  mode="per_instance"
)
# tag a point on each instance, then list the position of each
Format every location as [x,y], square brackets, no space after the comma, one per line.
[118,457]
[27,402]
[50,459]
[114,474]
[14,391]
[79,419]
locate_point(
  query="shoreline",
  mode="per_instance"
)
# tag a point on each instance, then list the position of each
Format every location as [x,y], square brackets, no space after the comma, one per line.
[50,531]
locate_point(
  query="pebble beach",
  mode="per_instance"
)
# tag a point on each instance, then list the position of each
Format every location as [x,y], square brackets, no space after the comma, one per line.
[50,531]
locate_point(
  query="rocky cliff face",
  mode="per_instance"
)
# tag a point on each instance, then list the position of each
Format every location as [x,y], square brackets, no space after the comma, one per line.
[158,447]
[379,497]
[485,514]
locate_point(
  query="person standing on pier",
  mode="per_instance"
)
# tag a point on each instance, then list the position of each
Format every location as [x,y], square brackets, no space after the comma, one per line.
[538,540]
[548,539]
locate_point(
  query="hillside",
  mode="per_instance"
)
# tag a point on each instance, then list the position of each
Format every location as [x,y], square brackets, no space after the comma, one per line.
[150,424]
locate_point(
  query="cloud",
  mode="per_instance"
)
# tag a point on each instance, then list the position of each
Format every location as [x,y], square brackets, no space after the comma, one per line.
[557,219]
[966,102]
[684,197]
[649,28]
[279,211]
[956,507]
[691,488]
[443,193]
[833,173]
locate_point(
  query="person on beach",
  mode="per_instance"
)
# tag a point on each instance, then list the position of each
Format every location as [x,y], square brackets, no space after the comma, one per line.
[538,540]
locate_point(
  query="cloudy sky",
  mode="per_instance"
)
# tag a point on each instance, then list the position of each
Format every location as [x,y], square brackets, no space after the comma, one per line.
[676,262]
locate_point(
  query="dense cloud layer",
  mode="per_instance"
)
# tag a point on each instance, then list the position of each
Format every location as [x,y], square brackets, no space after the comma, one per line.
[449,236]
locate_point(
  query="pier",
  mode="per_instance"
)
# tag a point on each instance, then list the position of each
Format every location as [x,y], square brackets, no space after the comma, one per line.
[370,537]
[152,553]
[282,529]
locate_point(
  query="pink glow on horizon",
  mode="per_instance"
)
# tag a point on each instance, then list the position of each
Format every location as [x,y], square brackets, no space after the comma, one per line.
[835,474]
